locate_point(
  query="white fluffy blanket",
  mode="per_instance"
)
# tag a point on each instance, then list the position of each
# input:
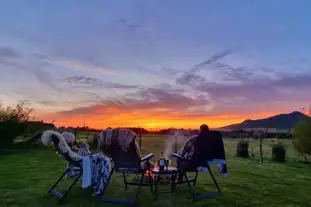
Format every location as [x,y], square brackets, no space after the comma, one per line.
[46,139]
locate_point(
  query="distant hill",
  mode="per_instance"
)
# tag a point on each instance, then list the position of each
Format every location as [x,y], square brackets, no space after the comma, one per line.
[281,121]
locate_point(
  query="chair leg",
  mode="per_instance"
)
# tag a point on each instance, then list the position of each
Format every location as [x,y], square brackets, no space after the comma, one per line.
[61,177]
[197,197]
[71,185]
[189,185]
[156,187]
[173,183]
[108,181]
[150,182]
[124,179]
[180,176]
[214,180]
[117,200]
[59,195]
[138,190]
[195,178]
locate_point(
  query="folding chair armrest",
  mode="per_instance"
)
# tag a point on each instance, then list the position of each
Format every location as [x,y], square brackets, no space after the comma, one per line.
[177,156]
[147,157]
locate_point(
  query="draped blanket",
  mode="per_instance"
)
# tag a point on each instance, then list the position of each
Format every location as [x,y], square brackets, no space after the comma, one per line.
[62,145]
[96,171]
[120,145]
[123,137]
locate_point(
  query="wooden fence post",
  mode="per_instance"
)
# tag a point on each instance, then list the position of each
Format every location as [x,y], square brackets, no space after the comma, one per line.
[261,156]
[140,139]
[175,145]
[261,138]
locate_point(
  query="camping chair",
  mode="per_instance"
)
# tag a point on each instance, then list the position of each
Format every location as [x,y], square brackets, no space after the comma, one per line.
[127,162]
[207,149]
[73,158]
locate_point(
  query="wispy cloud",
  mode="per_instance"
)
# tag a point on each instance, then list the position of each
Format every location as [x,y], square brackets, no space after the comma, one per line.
[147,100]
[190,74]
[213,59]
[166,73]
[94,82]
[128,24]
[45,78]
[277,92]
[40,56]
[79,66]
[191,80]
[6,52]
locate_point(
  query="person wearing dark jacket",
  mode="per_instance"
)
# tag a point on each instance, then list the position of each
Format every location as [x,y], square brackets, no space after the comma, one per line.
[198,150]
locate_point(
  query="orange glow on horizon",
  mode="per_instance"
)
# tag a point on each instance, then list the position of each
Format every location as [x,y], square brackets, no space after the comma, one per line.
[150,121]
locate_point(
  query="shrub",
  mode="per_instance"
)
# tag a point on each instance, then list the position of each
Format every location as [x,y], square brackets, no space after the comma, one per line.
[12,123]
[242,149]
[278,152]
[302,137]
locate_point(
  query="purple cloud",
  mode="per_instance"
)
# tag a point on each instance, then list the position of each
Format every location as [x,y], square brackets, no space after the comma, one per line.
[94,82]
[213,59]
[191,80]
[6,52]
[45,78]
[128,24]
[146,99]
[189,76]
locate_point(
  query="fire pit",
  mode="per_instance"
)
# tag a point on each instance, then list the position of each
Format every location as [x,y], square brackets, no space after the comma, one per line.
[155,172]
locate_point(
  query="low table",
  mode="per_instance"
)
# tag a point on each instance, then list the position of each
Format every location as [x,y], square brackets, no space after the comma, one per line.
[171,172]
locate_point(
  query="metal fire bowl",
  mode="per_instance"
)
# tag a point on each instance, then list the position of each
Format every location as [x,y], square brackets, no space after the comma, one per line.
[164,178]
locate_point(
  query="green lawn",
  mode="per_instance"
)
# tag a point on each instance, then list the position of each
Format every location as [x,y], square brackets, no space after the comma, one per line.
[25,177]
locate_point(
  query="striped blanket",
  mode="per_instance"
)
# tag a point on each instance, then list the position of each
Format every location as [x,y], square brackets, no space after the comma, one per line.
[187,150]
[121,136]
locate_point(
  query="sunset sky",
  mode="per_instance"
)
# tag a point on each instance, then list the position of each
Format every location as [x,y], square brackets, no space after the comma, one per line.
[155,64]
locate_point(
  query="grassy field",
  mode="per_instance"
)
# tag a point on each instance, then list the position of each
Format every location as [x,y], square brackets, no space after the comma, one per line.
[26,176]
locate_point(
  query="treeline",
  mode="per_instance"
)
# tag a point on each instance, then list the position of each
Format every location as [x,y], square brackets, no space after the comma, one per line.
[230,134]
[255,134]
[13,123]
[188,132]
[88,129]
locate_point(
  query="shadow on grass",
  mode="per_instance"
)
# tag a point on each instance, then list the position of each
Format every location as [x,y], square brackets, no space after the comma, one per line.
[76,197]
[289,162]
[10,151]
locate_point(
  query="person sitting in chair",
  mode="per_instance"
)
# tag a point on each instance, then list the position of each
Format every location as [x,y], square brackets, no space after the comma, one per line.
[82,148]
[201,149]
[187,150]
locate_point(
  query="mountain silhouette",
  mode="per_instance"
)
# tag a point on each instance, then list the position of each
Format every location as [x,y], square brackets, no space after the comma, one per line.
[281,121]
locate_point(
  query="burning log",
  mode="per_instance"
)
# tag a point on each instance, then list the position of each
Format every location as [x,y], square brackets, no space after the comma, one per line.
[154,176]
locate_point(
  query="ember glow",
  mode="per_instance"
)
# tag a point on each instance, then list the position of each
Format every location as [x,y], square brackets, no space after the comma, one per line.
[153,175]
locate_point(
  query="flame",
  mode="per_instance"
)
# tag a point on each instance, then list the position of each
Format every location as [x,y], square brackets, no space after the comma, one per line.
[153,175]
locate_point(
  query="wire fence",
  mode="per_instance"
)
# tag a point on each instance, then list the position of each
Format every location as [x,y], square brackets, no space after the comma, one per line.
[161,143]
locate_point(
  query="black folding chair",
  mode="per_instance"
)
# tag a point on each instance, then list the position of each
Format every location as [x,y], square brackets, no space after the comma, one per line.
[77,165]
[207,147]
[127,162]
